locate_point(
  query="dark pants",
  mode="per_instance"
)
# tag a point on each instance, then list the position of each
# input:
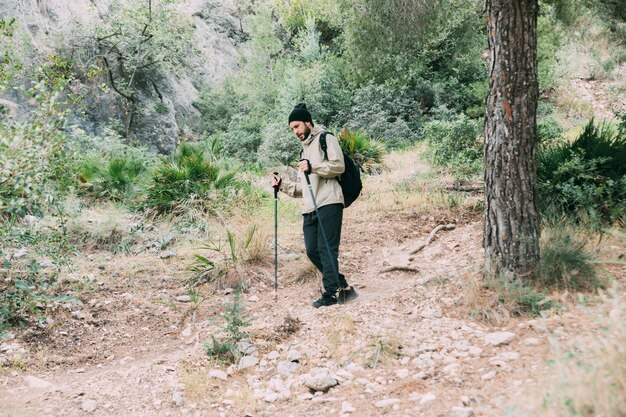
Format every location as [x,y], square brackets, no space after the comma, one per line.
[330,217]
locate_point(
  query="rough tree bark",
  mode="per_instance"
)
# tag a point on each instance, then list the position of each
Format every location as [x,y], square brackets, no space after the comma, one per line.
[511,223]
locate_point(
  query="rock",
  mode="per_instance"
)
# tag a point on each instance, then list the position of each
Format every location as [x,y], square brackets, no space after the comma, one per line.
[246,347]
[294,356]
[168,254]
[427,398]
[388,402]
[508,356]
[460,412]
[177,399]
[499,338]
[402,373]
[431,313]
[253,299]
[475,351]
[183,299]
[273,355]
[218,374]
[37,383]
[247,362]
[287,368]
[20,253]
[531,341]
[347,408]
[320,379]
[488,376]
[89,406]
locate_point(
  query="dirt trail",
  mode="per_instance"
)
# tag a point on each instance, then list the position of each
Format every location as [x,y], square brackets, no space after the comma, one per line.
[404,347]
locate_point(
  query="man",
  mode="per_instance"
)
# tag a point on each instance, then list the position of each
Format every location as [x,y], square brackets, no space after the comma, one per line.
[322,173]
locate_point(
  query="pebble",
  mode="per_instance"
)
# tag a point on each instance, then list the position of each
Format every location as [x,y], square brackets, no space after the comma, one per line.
[89,406]
[499,338]
[388,402]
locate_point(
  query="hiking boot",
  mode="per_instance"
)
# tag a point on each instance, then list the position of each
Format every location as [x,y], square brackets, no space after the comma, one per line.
[346,295]
[324,301]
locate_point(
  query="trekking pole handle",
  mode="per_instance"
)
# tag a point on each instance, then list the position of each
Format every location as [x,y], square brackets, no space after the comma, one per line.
[306,176]
[276,187]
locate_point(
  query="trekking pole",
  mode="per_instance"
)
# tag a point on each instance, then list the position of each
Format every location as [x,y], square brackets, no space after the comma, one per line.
[317,213]
[276,240]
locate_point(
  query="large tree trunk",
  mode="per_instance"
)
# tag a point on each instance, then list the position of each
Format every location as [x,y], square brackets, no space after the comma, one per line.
[511,230]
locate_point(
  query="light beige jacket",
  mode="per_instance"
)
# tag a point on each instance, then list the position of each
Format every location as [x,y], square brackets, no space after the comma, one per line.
[324,184]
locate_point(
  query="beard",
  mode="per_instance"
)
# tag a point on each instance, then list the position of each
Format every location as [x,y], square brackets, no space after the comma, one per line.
[306,133]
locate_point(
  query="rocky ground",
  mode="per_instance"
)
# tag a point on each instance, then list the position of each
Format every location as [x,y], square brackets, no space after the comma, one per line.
[412,343]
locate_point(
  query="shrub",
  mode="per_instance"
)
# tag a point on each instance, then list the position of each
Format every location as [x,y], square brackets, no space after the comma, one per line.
[115,179]
[455,144]
[366,152]
[235,318]
[585,179]
[190,180]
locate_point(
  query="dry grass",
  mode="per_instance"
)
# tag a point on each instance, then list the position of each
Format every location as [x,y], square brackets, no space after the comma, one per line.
[588,376]
[408,184]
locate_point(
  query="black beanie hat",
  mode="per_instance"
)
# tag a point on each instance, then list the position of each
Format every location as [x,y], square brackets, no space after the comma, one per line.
[300,113]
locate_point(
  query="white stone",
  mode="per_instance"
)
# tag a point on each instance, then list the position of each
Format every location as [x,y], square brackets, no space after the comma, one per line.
[320,379]
[427,398]
[508,356]
[531,341]
[499,338]
[253,299]
[488,376]
[37,383]
[294,355]
[247,362]
[460,412]
[89,406]
[218,374]
[475,351]
[286,368]
[183,298]
[177,399]
[347,408]
[402,373]
[388,402]
[273,355]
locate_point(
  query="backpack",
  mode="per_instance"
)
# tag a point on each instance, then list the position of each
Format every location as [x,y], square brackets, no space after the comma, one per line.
[350,180]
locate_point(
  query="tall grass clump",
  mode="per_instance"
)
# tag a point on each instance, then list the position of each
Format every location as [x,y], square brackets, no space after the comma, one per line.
[189,179]
[566,264]
[585,179]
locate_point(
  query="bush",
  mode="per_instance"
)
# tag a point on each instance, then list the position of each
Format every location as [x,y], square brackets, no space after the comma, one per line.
[455,144]
[366,152]
[115,179]
[585,179]
[190,180]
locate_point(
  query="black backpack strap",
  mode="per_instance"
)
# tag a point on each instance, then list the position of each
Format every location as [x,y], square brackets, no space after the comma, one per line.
[323,144]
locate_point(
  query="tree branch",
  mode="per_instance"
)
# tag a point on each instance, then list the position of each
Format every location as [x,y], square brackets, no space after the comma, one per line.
[106,62]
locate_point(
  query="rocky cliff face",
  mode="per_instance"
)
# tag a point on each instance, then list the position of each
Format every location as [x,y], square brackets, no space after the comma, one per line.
[165,103]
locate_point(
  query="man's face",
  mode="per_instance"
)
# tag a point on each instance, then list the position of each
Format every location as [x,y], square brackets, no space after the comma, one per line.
[301,129]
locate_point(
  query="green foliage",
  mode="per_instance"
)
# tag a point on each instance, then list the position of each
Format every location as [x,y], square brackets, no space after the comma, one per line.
[565,264]
[366,152]
[26,286]
[585,179]
[548,131]
[236,319]
[33,152]
[189,179]
[114,179]
[455,144]
[231,252]
[139,41]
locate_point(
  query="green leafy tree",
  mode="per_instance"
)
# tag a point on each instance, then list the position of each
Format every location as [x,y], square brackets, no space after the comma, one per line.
[137,43]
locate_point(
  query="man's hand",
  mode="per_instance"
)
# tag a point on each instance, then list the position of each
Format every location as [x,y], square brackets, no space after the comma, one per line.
[276,181]
[304,166]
